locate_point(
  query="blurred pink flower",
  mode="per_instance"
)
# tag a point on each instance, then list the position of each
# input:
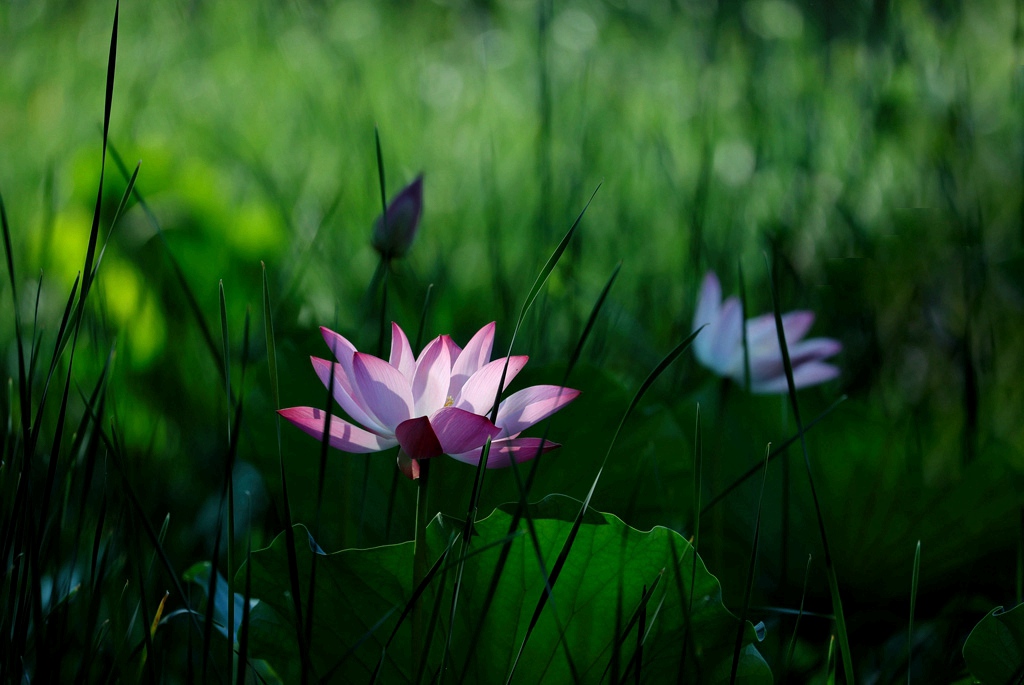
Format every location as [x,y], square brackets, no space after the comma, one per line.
[393,232]
[431,405]
[720,346]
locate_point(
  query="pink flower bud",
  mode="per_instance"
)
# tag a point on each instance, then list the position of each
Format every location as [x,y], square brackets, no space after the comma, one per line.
[394,232]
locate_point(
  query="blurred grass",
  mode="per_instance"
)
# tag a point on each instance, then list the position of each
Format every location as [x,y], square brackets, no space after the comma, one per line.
[876,151]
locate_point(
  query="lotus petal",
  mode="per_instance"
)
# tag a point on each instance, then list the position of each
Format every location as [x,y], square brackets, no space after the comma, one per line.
[409,467]
[385,392]
[343,435]
[417,438]
[431,378]
[342,390]
[472,358]
[530,405]
[460,431]
[503,452]
[479,392]
[804,375]
[402,357]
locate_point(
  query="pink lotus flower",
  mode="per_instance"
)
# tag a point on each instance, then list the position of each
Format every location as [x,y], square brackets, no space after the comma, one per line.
[393,233]
[720,346]
[431,405]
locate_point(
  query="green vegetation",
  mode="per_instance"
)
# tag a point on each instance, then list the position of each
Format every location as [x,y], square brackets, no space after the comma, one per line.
[866,158]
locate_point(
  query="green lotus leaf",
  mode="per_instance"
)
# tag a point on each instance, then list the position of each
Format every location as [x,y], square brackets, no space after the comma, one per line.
[994,650]
[362,594]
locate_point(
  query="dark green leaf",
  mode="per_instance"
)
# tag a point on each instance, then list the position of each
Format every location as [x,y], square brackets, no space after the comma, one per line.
[356,588]
[994,650]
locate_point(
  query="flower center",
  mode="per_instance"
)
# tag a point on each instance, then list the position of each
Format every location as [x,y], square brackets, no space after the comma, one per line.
[449,402]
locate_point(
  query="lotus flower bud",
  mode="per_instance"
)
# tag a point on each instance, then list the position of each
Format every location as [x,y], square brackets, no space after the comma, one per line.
[394,232]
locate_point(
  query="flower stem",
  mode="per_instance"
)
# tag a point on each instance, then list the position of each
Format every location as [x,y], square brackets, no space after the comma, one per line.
[382,329]
[420,565]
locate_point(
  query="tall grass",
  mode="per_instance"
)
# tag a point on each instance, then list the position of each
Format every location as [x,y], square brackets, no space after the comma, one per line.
[718,133]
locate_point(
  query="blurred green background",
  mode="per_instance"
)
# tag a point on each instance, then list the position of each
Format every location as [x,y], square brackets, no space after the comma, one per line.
[873,151]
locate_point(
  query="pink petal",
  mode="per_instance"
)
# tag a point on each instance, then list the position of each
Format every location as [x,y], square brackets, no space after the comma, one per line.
[796,324]
[721,347]
[417,438]
[382,390]
[761,329]
[453,350]
[402,357]
[343,393]
[530,405]
[340,347]
[343,351]
[814,349]
[472,358]
[709,301]
[709,304]
[409,467]
[343,435]
[503,452]
[805,375]
[813,373]
[430,380]
[478,394]
[460,431]
[767,363]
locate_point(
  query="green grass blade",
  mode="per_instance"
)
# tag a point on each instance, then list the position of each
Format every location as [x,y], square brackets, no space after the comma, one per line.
[381,177]
[117,215]
[542,277]
[698,472]
[418,591]
[33,356]
[751,566]
[638,657]
[573,360]
[571,538]
[268,330]
[545,272]
[796,624]
[211,590]
[524,489]
[698,468]
[322,477]
[23,388]
[108,99]
[148,655]
[62,331]
[1020,553]
[385,261]
[243,630]
[833,582]
[117,459]
[913,605]
[293,563]
[830,662]
[229,479]
[98,572]
[126,196]
[637,620]
[749,473]
[229,463]
[225,351]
